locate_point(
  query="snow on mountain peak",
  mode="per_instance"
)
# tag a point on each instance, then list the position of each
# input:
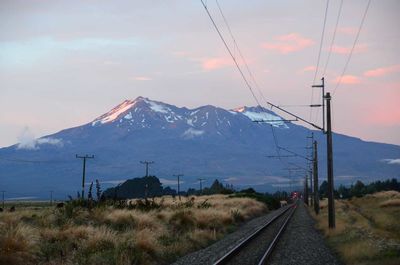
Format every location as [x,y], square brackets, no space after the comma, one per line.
[115,112]
[135,111]
[122,110]
[157,107]
[255,114]
[240,109]
[275,121]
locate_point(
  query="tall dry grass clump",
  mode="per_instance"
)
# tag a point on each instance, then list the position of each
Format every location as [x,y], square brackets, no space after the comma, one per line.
[18,243]
[155,232]
[385,194]
[390,203]
[367,228]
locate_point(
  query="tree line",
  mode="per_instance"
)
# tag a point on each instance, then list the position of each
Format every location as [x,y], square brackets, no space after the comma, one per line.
[360,189]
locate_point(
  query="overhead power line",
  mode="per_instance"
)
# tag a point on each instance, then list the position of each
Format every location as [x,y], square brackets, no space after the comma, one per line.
[245,79]
[321,42]
[236,47]
[276,145]
[352,48]
[330,51]
[230,53]
[249,86]
[319,55]
[333,37]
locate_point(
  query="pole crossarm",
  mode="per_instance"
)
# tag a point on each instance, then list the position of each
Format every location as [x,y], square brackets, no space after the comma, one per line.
[299,167]
[294,115]
[85,156]
[274,156]
[274,121]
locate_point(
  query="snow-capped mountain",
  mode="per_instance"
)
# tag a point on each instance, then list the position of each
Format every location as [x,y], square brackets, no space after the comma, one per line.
[207,141]
[133,113]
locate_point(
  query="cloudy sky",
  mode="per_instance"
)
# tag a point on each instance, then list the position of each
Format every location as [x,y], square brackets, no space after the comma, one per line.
[63,63]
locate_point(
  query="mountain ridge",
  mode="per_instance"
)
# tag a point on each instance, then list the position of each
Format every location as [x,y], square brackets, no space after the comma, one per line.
[206,141]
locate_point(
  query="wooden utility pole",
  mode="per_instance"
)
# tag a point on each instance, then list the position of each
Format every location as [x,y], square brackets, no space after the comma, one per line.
[179,190]
[329,149]
[84,171]
[201,185]
[146,190]
[147,163]
[3,191]
[51,198]
[315,175]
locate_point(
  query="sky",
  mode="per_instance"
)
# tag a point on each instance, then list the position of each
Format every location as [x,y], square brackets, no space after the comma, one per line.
[64,63]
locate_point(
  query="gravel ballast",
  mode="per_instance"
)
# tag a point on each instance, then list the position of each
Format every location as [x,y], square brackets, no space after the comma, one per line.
[255,249]
[302,244]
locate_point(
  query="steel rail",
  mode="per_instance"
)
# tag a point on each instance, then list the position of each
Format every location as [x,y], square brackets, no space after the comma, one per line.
[271,247]
[224,259]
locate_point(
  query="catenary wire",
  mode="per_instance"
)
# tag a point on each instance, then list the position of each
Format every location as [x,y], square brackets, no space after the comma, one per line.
[352,48]
[319,55]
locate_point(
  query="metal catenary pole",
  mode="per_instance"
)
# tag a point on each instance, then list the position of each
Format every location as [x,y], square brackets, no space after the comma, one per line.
[315,175]
[331,201]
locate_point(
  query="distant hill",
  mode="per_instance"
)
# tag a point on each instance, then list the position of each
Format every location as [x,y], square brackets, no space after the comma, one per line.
[145,187]
[206,142]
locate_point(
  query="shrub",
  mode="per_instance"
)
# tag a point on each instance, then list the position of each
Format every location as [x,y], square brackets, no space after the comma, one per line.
[204,205]
[237,216]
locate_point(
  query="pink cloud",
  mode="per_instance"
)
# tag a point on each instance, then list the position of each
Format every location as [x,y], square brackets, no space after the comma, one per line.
[385,110]
[347,30]
[288,43]
[180,53]
[142,78]
[382,71]
[349,80]
[214,63]
[310,68]
[346,50]
[388,116]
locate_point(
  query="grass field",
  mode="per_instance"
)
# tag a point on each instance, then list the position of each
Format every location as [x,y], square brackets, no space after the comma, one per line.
[367,229]
[106,235]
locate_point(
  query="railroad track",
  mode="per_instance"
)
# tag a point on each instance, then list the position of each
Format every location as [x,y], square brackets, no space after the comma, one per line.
[257,247]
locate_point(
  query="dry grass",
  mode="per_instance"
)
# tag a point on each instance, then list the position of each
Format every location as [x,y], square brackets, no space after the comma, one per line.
[17,243]
[390,203]
[367,229]
[120,236]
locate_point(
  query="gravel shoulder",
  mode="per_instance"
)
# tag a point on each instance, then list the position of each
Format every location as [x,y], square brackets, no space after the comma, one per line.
[302,244]
[213,252]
